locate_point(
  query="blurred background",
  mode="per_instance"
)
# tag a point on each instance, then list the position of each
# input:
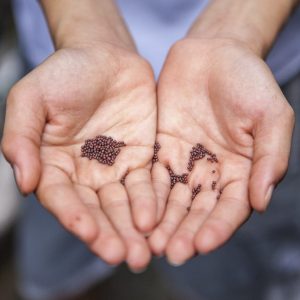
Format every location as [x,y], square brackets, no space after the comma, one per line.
[11,68]
[262,261]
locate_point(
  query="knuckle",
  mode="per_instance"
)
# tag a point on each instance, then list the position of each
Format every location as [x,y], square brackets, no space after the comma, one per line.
[161,185]
[241,204]
[200,211]
[185,233]
[168,226]
[136,183]
[91,206]
[114,204]
[177,204]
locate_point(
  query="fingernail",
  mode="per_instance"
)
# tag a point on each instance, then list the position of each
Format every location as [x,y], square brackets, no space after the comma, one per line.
[17,174]
[138,271]
[269,195]
[175,263]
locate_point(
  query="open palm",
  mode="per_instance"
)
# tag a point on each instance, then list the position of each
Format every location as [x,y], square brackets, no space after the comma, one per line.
[75,95]
[222,96]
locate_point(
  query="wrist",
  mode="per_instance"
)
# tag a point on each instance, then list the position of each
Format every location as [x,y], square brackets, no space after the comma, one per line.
[252,23]
[89,22]
[227,37]
[66,35]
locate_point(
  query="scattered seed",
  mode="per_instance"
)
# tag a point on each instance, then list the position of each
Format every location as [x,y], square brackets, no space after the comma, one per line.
[156,149]
[220,193]
[123,178]
[196,191]
[213,185]
[174,178]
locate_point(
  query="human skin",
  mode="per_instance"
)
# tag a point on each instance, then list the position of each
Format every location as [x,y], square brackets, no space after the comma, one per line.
[100,74]
[215,89]
[94,84]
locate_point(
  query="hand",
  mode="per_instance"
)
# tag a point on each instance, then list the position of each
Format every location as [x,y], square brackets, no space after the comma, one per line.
[220,94]
[77,94]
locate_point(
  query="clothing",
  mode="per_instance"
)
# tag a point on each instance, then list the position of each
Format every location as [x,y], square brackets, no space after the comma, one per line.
[155,26]
[56,263]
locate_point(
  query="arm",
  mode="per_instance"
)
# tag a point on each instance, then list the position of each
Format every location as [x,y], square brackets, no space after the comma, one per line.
[94,84]
[254,23]
[87,21]
[221,94]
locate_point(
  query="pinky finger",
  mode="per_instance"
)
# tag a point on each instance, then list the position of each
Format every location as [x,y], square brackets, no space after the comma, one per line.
[56,193]
[229,214]
[108,245]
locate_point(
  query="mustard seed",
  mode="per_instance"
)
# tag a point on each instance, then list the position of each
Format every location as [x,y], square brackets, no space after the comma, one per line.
[174,178]
[213,185]
[123,178]
[103,149]
[199,152]
[156,149]
[220,193]
[196,191]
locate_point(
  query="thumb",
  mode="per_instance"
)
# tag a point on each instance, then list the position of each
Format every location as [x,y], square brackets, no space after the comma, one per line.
[24,123]
[272,144]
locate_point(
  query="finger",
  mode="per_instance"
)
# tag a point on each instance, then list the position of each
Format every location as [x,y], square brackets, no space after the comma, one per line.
[57,194]
[115,204]
[161,185]
[181,246]
[142,198]
[232,209]
[272,143]
[24,123]
[108,245]
[177,208]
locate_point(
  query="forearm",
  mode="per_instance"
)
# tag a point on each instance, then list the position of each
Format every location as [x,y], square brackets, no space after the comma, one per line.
[85,22]
[255,23]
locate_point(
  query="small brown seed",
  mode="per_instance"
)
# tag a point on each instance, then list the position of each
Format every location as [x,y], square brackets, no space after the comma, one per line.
[124,178]
[196,191]
[156,149]
[102,148]
[177,178]
[199,152]
[213,185]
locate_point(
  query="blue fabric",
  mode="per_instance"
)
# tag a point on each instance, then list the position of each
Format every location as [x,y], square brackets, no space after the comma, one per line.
[284,58]
[155,26]
[51,262]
